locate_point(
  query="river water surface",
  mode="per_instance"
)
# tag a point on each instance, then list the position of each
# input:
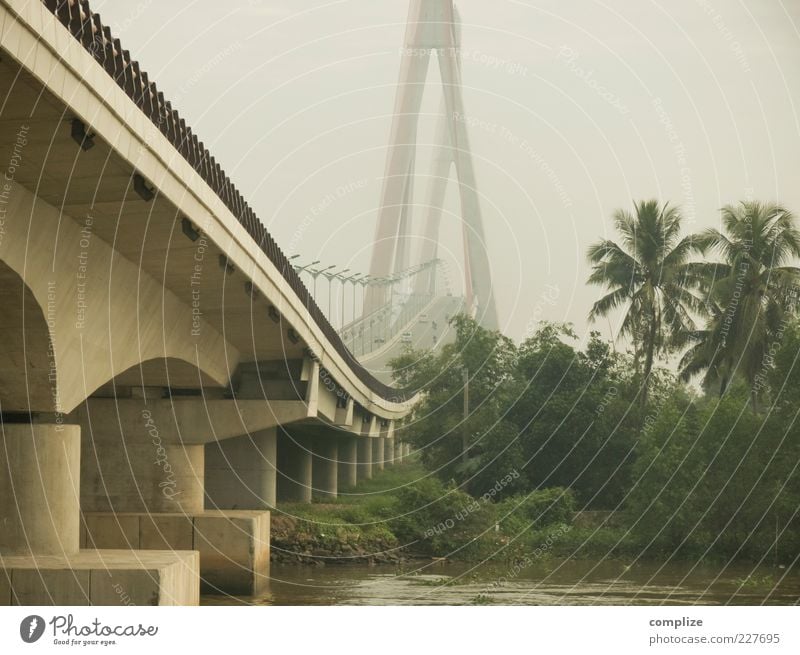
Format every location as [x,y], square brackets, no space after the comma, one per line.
[554,582]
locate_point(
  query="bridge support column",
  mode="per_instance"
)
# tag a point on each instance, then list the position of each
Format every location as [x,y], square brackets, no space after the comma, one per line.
[348,462]
[364,458]
[388,451]
[378,444]
[294,468]
[399,448]
[121,474]
[241,473]
[39,489]
[406,450]
[325,467]
[40,473]
[143,489]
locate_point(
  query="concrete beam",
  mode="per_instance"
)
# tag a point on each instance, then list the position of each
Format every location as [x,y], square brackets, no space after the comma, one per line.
[186,420]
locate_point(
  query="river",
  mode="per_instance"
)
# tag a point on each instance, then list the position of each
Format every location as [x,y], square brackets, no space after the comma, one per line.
[553,582]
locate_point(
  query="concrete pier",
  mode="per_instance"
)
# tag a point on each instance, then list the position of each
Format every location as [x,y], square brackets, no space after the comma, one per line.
[398,451]
[121,473]
[364,458]
[40,541]
[377,454]
[388,451]
[348,462]
[294,468]
[241,473]
[325,467]
[39,493]
[233,544]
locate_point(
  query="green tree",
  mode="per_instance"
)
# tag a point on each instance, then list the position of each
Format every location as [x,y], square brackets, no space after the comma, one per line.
[751,293]
[646,275]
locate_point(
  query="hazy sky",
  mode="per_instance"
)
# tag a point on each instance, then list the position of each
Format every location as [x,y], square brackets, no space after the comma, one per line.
[577,107]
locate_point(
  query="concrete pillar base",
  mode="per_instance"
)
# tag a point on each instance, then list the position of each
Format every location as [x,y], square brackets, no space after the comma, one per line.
[98,577]
[233,544]
[398,452]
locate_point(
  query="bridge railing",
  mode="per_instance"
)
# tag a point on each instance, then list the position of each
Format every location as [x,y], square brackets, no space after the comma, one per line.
[86,27]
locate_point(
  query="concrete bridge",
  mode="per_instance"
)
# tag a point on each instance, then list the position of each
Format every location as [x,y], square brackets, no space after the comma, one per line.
[165,377]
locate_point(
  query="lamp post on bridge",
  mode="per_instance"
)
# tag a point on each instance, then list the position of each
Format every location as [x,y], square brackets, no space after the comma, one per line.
[315,274]
[352,279]
[330,277]
[301,269]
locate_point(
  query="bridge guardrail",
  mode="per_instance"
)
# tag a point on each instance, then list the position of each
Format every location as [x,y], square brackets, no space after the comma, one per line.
[87,28]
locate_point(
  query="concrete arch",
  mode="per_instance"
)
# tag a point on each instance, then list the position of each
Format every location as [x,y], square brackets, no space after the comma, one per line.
[103,314]
[26,357]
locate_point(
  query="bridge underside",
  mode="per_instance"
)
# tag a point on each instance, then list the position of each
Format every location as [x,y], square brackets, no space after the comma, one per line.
[161,388]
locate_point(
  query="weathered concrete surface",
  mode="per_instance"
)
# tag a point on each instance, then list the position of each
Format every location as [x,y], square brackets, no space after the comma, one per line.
[121,475]
[140,322]
[233,545]
[325,467]
[185,420]
[241,473]
[377,454]
[101,577]
[294,468]
[364,458]
[39,483]
[234,551]
[348,462]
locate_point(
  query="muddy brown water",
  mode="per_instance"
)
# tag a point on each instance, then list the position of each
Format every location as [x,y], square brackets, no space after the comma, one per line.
[554,582]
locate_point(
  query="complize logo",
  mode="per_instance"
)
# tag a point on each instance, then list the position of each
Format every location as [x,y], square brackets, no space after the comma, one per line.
[31,629]
[67,632]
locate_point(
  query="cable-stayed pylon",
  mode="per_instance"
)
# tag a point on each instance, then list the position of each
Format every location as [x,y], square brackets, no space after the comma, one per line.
[432,27]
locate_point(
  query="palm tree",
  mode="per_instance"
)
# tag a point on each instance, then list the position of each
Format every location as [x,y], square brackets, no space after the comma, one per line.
[752,292]
[647,275]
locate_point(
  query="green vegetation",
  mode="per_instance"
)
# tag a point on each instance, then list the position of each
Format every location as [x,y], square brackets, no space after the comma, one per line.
[555,428]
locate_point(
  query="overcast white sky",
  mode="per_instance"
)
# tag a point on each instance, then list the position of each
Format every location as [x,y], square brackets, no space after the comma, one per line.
[579,107]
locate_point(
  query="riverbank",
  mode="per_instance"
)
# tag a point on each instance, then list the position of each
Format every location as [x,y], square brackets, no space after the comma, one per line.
[404,514]
[375,525]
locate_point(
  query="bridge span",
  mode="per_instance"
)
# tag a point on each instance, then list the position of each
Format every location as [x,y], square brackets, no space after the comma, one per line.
[165,377]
